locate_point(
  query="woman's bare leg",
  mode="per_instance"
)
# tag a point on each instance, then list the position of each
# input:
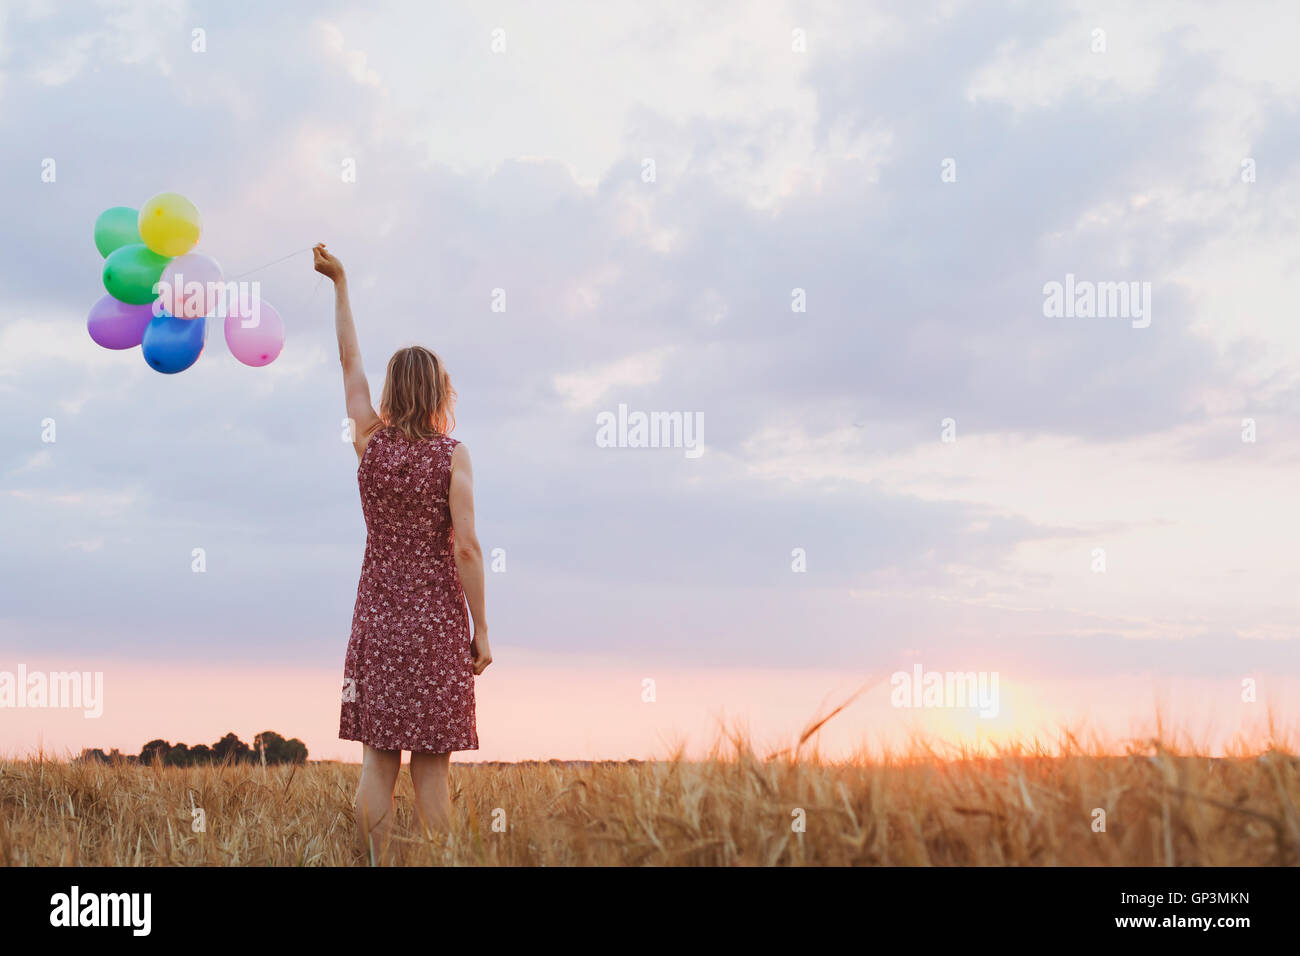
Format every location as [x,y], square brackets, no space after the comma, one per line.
[379,770]
[429,774]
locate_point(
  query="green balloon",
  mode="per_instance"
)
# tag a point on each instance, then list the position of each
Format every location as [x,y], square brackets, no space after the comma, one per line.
[131,272]
[115,228]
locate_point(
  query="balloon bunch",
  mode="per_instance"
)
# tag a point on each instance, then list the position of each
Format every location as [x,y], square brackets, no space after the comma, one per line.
[161,293]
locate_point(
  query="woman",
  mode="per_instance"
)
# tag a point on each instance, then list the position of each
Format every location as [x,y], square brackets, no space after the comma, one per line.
[409,674]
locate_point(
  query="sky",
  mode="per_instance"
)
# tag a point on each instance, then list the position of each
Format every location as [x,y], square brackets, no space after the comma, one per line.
[825,230]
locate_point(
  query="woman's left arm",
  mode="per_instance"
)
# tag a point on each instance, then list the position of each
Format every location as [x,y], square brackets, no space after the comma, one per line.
[468,554]
[356,390]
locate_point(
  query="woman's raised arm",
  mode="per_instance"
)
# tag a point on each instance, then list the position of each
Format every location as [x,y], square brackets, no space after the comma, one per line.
[356,390]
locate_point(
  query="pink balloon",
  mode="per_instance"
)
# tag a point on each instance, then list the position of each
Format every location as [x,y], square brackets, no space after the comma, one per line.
[191,286]
[118,325]
[257,344]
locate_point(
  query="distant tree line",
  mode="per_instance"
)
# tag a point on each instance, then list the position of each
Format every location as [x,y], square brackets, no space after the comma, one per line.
[268,746]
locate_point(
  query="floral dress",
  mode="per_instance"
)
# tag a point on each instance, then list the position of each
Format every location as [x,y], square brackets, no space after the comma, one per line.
[408,678]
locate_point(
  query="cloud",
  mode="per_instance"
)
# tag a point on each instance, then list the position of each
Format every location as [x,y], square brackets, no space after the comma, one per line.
[776,172]
[584,389]
[355,61]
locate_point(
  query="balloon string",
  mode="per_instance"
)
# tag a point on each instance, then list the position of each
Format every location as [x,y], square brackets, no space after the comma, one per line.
[296,252]
[306,303]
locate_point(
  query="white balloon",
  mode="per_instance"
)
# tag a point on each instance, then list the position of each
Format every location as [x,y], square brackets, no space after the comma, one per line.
[191,286]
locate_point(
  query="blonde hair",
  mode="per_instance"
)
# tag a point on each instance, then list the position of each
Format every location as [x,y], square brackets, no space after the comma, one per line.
[418,399]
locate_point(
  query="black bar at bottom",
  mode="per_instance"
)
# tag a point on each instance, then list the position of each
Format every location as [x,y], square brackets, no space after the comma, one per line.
[731,905]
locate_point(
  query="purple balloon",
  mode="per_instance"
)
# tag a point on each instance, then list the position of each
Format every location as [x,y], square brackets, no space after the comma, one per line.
[117,325]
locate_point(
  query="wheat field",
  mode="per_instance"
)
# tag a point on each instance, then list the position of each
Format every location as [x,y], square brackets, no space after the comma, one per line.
[1016,807]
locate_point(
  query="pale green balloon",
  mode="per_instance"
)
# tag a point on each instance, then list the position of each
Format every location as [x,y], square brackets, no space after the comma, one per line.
[115,228]
[131,272]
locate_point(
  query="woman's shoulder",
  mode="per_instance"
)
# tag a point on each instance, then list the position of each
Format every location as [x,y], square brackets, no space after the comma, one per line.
[457,453]
[375,436]
[449,449]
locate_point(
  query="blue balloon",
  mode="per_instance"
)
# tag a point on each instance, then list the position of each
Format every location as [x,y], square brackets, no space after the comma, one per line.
[172,345]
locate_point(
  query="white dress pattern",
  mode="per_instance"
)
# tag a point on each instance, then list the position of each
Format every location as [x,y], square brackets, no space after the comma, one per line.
[408,678]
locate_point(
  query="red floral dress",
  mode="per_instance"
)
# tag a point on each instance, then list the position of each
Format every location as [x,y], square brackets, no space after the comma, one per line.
[408,679]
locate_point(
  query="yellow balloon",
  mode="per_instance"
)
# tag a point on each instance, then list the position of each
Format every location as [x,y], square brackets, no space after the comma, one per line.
[170,224]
